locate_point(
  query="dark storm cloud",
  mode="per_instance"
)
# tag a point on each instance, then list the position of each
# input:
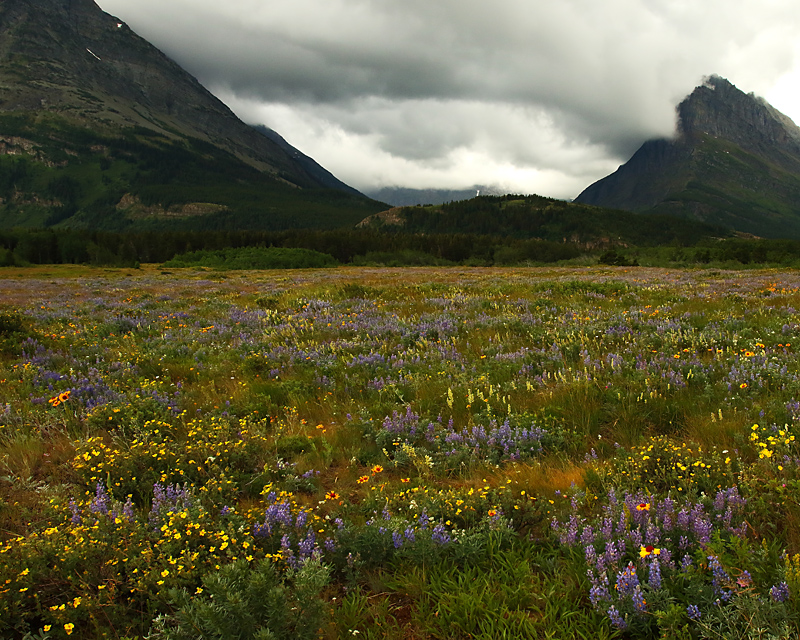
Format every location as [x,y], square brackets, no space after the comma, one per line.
[529,85]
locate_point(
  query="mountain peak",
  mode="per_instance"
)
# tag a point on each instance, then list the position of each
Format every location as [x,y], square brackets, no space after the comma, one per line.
[718,108]
[735,161]
[98,117]
[71,58]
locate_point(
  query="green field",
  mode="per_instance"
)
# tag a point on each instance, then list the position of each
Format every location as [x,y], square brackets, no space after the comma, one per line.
[597,452]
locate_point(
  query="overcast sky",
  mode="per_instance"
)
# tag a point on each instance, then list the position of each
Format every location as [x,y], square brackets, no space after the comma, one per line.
[533,96]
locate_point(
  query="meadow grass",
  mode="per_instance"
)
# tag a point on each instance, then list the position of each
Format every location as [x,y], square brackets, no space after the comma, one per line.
[399,453]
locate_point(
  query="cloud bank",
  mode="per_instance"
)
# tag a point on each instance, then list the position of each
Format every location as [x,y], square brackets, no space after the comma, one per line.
[531,96]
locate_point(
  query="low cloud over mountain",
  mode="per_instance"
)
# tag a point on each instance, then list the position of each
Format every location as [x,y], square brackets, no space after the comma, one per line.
[537,96]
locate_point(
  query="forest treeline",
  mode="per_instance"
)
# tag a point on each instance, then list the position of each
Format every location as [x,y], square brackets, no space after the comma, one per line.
[526,216]
[370,246]
[56,246]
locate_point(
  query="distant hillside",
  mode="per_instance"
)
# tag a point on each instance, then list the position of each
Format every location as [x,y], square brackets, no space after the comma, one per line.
[406,197]
[546,219]
[735,161]
[99,128]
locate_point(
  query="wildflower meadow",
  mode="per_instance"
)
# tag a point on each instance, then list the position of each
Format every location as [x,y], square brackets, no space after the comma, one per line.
[415,453]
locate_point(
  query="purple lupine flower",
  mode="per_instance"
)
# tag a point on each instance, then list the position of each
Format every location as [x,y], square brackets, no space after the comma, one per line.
[599,593]
[397,539]
[686,563]
[76,518]
[440,535]
[101,501]
[168,498]
[700,524]
[622,523]
[409,534]
[627,580]
[289,557]
[613,553]
[621,545]
[652,534]
[276,516]
[654,576]
[638,600]
[616,619]
[569,534]
[719,577]
[664,512]
[779,592]
[693,611]
[307,545]
[702,529]
[607,528]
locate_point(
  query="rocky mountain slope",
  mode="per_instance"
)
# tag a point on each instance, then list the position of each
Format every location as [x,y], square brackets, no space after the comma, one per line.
[76,80]
[734,161]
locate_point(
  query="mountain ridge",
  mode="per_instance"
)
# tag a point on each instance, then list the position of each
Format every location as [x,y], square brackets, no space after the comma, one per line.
[66,47]
[734,161]
[92,116]
[319,173]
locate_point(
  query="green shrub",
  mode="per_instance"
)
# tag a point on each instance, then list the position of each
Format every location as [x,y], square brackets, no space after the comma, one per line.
[243,601]
[254,258]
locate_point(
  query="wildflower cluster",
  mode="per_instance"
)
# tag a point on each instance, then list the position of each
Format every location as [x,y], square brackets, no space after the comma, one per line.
[456,507]
[288,532]
[774,443]
[662,465]
[449,445]
[644,552]
[163,452]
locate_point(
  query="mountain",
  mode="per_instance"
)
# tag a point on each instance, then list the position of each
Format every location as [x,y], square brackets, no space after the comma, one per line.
[734,161]
[406,197]
[311,167]
[98,127]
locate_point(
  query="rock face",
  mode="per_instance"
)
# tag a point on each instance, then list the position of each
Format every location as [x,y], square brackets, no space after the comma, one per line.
[719,109]
[734,161]
[69,58]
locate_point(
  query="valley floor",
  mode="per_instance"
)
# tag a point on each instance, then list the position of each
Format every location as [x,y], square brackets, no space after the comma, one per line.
[399,453]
